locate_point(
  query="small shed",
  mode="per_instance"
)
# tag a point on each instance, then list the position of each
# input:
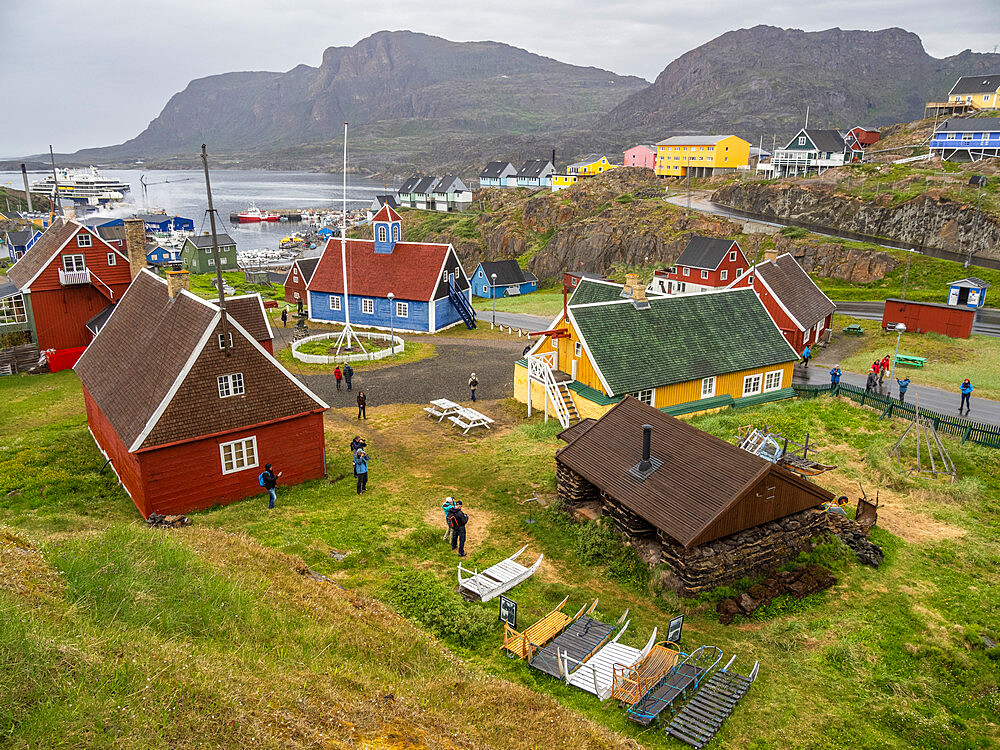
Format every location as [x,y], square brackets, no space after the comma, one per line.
[511,280]
[921,317]
[970,292]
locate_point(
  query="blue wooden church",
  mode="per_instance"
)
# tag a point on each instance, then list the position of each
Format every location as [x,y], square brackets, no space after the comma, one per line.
[430,290]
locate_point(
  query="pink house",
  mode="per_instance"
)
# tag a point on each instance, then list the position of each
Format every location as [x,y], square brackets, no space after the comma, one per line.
[642,155]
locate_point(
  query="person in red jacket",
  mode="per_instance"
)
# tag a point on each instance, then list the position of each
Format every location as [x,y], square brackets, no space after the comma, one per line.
[338,376]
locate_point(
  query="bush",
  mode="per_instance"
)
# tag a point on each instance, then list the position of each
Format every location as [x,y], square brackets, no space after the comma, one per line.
[794,232]
[596,543]
[421,597]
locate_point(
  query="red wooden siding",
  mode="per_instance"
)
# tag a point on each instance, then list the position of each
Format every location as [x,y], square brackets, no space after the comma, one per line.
[126,465]
[295,285]
[117,276]
[921,317]
[714,277]
[188,476]
[61,315]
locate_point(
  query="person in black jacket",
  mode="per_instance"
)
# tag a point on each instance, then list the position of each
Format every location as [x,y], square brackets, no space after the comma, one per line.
[270,480]
[457,519]
[348,375]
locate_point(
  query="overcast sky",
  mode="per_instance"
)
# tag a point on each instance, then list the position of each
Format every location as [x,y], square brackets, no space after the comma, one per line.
[81,74]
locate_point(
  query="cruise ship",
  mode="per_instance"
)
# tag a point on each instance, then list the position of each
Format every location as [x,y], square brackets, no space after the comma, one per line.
[83,186]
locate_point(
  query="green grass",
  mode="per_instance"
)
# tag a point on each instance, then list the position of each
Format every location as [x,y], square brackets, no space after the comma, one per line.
[545,302]
[203,285]
[256,652]
[413,351]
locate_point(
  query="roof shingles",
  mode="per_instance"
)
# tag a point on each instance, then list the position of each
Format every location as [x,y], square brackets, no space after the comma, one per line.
[410,271]
[797,292]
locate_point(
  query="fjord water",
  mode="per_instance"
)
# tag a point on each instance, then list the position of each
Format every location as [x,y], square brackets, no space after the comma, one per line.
[182,192]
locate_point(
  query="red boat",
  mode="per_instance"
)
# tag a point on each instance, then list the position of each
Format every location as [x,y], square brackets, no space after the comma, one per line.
[254,214]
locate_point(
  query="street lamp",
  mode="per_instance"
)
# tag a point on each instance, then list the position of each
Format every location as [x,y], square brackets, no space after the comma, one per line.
[392,337]
[493,294]
[900,328]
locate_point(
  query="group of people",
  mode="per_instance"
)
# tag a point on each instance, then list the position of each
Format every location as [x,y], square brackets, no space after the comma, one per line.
[455,520]
[359,456]
[876,376]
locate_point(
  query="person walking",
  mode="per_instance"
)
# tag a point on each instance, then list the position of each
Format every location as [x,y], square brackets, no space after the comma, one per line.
[835,374]
[806,355]
[473,384]
[457,520]
[872,383]
[447,507]
[299,305]
[269,481]
[361,469]
[362,403]
[967,389]
[284,317]
[348,375]
[338,375]
[903,385]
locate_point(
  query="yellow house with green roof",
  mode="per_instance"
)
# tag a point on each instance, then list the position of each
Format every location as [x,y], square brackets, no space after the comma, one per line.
[682,354]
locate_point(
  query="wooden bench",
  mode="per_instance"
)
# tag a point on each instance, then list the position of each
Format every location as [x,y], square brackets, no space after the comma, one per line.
[442,408]
[469,418]
[522,644]
[630,683]
[906,359]
[854,330]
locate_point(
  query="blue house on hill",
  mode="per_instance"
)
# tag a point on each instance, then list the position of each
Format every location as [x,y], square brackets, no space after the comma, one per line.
[18,243]
[967,138]
[511,280]
[406,286]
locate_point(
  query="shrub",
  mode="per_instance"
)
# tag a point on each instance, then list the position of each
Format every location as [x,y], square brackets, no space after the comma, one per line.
[596,543]
[421,597]
[795,232]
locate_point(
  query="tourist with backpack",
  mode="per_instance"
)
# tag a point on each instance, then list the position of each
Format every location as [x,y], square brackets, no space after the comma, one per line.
[473,384]
[358,442]
[806,355]
[338,376]
[348,375]
[835,375]
[903,385]
[361,469]
[457,520]
[284,317]
[269,480]
[966,389]
[447,507]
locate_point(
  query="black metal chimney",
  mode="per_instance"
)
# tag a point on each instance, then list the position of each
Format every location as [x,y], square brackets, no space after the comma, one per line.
[553,157]
[647,432]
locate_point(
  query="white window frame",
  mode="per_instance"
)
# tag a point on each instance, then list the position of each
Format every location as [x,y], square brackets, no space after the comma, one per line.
[112,259]
[12,310]
[84,240]
[239,456]
[71,266]
[752,384]
[723,275]
[577,349]
[708,386]
[704,275]
[771,377]
[335,303]
[368,306]
[486,289]
[732,255]
[222,344]
[646,393]
[295,278]
[231,385]
[402,309]
[687,271]
[382,234]
[211,262]
[802,140]
[223,260]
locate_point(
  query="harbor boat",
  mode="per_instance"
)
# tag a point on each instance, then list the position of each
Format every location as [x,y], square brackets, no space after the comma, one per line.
[82,186]
[253,215]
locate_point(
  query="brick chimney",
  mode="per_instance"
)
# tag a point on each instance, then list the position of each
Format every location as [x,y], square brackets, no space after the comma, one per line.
[177,280]
[135,245]
[633,289]
[771,254]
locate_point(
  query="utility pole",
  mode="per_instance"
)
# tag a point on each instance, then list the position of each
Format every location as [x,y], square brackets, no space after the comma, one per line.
[215,255]
[346,335]
[27,191]
[55,181]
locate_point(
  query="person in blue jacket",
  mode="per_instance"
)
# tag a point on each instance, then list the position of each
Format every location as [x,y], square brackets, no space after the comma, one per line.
[806,355]
[966,394]
[835,377]
[903,385]
[361,469]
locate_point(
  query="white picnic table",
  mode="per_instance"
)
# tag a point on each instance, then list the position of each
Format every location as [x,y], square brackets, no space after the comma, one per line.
[469,418]
[442,407]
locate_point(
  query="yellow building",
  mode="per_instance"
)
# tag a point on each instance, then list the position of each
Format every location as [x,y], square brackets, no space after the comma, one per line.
[677,353]
[562,181]
[979,92]
[704,155]
[591,165]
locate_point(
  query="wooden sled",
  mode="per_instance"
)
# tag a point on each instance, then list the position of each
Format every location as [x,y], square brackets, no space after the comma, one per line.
[496,579]
[630,682]
[595,674]
[522,644]
[579,641]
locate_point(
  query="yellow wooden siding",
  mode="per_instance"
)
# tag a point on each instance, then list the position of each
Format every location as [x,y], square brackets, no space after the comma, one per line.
[688,155]
[730,384]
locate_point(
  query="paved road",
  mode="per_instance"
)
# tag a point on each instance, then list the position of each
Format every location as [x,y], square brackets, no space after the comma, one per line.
[936,399]
[987,321]
[518,320]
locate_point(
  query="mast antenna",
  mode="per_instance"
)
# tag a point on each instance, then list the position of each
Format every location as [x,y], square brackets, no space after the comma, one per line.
[347,336]
[215,254]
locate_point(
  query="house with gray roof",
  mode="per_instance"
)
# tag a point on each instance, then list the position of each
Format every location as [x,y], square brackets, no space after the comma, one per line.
[536,173]
[502,278]
[981,92]
[498,174]
[966,138]
[446,193]
[196,253]
[811,150]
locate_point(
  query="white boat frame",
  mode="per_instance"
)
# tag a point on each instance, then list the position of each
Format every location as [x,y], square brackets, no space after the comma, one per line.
[496,579]
[596,674]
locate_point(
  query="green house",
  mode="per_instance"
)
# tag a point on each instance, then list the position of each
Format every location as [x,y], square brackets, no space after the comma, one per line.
[196,255]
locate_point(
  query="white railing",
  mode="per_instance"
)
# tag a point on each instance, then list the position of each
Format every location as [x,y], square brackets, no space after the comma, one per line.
[397,348]
[74,277]
[540,368]
[94,277]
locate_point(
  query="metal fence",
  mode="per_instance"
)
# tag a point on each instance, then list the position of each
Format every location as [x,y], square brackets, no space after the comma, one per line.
[965,429]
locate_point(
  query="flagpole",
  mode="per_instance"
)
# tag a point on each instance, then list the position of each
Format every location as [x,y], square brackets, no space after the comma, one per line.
[346,335]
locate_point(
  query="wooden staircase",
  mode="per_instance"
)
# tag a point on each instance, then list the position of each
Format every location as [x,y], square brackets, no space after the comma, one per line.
[566,396]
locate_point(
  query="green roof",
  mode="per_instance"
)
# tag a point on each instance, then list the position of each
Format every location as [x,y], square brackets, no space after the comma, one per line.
[588,291]
[679,338]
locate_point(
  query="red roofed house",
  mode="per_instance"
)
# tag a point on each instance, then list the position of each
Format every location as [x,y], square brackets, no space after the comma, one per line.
[796,305]
[298,277]
[186,415]
[430,289]
[705,265]
[70,277]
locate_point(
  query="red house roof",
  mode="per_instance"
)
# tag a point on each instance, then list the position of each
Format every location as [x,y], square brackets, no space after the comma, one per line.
[411,271]
[386,214]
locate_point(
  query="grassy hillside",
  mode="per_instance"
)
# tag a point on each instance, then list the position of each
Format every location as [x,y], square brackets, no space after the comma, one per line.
[113,634]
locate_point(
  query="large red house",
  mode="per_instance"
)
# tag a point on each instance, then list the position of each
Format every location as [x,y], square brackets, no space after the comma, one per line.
[796,305]
[186,415]
[297,278]
[706,264]
[68,278]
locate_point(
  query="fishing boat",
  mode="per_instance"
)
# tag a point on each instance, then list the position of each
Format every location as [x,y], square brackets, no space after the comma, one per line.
[253,215]
[82,186]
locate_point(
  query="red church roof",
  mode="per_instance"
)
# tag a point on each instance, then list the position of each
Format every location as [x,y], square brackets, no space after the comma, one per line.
[386,214]
[411,271]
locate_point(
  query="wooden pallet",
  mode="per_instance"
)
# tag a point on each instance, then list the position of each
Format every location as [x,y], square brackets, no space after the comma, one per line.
[697,723]
[496,579]
[630,683]
[595,674]
[523,644]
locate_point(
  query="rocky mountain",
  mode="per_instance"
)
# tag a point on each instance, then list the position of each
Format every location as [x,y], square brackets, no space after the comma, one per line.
[758,82]
[411,89]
